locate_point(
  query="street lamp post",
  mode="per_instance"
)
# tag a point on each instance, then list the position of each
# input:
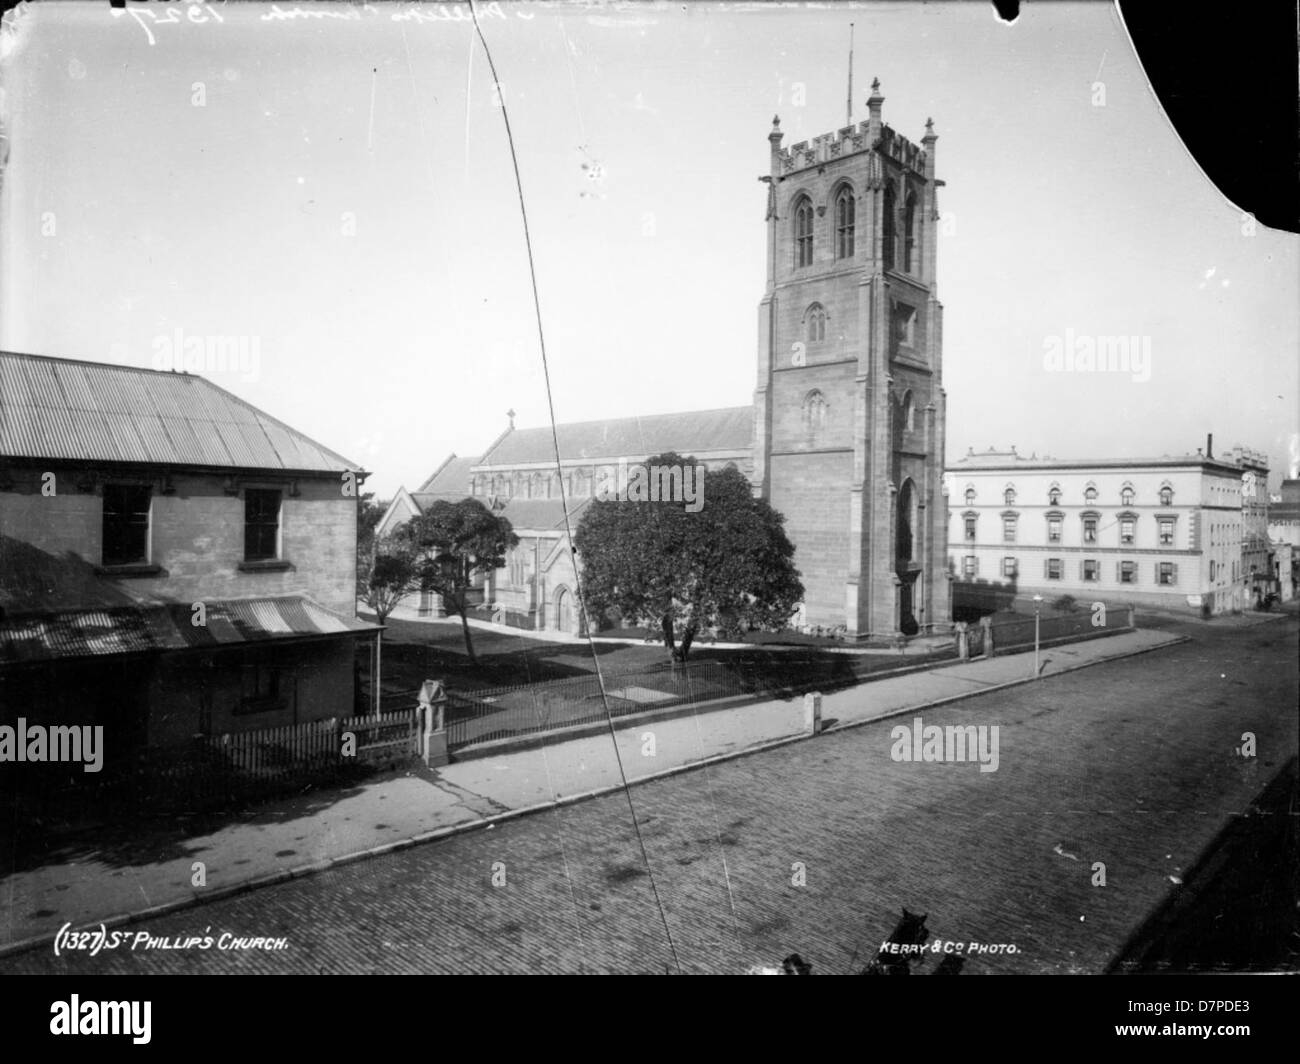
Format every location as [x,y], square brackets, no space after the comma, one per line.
[1037,599]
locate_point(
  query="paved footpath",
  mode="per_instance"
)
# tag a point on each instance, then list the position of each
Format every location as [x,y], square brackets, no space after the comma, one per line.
[116,882]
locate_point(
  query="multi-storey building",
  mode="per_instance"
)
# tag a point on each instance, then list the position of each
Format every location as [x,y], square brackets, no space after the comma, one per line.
[1167,532]
[1256,549]
[173,561]
[849,407]
[1284,532]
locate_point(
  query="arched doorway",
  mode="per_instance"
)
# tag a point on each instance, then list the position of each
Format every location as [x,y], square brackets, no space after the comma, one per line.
[564,616]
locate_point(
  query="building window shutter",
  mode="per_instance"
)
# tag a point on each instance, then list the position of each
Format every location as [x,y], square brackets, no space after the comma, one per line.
[1175,574]
[1047,565]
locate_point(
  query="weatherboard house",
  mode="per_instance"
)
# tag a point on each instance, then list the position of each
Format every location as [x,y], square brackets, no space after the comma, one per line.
[845,433]
[173,561]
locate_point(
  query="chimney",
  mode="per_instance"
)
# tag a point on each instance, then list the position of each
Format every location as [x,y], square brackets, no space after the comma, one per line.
[1209,445]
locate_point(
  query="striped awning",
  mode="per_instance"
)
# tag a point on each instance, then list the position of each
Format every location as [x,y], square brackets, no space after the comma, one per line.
[167,626]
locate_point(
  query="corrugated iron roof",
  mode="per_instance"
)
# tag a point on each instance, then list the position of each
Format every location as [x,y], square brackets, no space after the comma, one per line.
[57,408]
[729,429]
[166,626]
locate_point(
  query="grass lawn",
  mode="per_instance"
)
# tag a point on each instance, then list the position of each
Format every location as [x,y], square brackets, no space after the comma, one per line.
[414,651]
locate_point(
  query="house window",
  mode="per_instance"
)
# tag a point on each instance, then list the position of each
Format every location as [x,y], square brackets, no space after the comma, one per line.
[1166,496]
[126,524]
[803,232]
[1126,496]
[1054,496]
[260,689]
[1054,568]
[1166,574]
[1090,530]
[1053,530]
[969,565]
[261,524]
[1091,570]
[1009,529]
[909,413]
[1166,531]
[1126,530]
[970,527]
[816,323]
[1211,568]
[888,223]
[1008,567]
[909,231]
[1128,572]
[1009,496]
[1089,494]
[970,496]
[845,218]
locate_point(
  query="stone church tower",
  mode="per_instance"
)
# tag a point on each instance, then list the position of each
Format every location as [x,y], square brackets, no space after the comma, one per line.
[849,409]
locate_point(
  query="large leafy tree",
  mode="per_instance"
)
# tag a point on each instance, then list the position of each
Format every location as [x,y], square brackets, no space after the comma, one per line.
[451,543]
[726,564]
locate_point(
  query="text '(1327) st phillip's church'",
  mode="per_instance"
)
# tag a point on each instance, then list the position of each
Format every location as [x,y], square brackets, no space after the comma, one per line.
[849,409]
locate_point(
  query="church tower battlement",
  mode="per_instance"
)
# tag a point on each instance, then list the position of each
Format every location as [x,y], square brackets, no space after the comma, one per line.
[849,405]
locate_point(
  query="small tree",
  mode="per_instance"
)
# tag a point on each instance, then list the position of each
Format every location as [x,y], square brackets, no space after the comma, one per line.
[453,542]
[726,564]
[391,575]
[369,514]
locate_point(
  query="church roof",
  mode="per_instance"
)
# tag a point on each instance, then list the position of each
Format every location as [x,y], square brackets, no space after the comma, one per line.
[57,408]
[728,429]
[541,514]
[449,479]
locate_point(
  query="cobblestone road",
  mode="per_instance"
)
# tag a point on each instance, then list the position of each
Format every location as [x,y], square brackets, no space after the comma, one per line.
[815,847]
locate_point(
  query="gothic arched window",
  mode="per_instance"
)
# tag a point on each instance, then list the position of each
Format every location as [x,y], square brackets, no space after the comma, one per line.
[816,318]
[887,223]
[845,223]
[909,412]
[803,232]
[909,230]
[814,412]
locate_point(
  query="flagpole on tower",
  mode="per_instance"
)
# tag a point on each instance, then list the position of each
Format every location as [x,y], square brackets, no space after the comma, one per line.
[848,103]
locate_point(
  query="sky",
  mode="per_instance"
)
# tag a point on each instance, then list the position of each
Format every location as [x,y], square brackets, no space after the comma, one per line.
[331,185]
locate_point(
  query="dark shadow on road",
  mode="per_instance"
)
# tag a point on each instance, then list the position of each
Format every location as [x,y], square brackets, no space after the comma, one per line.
[164,835]
[1237,909]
